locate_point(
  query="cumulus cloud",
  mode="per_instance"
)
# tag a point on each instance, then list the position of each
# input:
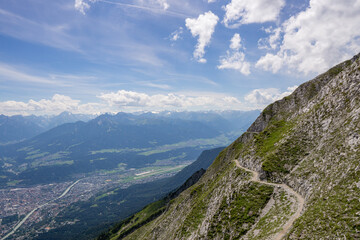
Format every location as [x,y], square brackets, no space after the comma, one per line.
[235,59]
[127,100]
[235,42]
[325,33]
[262,97]
[202,27]
[272,42]
[239,12]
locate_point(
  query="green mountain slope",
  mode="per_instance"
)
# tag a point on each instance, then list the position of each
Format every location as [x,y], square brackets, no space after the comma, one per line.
[294,174]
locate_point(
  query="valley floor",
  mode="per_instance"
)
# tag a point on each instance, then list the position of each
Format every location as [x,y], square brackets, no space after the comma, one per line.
[24,208]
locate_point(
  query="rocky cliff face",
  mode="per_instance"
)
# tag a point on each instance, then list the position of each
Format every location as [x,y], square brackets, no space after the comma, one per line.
[309,141]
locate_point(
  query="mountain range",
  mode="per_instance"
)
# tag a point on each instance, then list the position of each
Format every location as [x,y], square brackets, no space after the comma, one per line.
[111,142]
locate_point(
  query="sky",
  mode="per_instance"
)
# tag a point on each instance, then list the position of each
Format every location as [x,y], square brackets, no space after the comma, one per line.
[97,56]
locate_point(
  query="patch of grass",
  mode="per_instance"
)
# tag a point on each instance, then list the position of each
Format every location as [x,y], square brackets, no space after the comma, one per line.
[25,149]
[335,71]
[217,162]
[237,150]
[104,195]
[195,217]
[311,92]
[268,110]
[33,152]
[266,140]
[332,72]
[279,153]
[38,155]
[274,163]
[238,213]
[200,195]
[13,183]
[113,150]
[274,219]
[147,214]
[156,151]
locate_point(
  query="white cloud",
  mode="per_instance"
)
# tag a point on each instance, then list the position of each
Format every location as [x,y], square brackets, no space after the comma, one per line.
[176,35]
[202,27]
[262,97]
[129,100]
[324,34]
[163,4]
[239,12]
[272,42]
[270,62]
[235,59]
[82,5]
[235,42]
[211,1]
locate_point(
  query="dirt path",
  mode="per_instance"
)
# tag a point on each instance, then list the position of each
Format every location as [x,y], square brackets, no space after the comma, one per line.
[300,200]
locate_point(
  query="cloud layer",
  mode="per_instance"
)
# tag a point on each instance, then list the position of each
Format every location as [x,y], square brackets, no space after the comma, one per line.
[57,104]
[131,101]
[122,100]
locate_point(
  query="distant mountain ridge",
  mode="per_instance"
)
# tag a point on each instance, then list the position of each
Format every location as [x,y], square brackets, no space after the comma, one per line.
[18,128]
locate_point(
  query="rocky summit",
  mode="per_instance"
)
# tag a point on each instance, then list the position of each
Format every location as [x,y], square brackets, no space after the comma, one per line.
[295,174]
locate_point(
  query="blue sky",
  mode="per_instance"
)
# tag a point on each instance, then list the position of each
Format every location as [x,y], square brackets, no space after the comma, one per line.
[95,56]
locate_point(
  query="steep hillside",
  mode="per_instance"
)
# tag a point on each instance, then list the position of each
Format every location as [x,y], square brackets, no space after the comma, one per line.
[305,149]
